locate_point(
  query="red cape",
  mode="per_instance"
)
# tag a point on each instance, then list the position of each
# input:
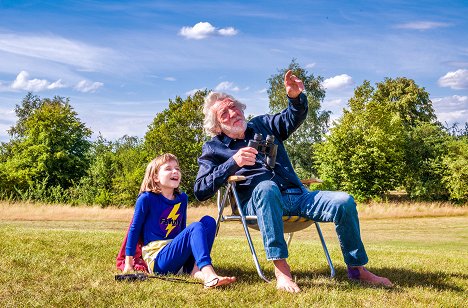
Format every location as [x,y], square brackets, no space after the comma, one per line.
[139,263]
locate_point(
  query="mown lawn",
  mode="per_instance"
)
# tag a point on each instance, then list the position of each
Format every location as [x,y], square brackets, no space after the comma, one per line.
[70,263]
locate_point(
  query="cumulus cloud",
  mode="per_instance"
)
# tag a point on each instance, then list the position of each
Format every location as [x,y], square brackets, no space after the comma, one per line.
[456,80]
[86,86]
[423,25]
[22,82]
[192,92]
[226,86]
[451,109]
[338,82]
[203,30]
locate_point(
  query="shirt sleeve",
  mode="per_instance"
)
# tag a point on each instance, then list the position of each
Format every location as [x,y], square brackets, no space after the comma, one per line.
[136,226]
[211,175]
[283,124]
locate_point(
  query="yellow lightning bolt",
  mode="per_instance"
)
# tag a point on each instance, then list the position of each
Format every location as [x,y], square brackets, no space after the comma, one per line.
[173,214]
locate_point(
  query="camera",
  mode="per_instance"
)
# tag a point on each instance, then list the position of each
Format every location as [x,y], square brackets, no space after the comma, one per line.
[266,147]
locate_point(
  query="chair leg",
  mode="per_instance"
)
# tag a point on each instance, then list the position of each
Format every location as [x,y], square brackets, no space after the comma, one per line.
[290,236]
[249,238]
[324,245]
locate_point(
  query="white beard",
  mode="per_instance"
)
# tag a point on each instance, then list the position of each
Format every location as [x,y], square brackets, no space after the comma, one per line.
[234,130]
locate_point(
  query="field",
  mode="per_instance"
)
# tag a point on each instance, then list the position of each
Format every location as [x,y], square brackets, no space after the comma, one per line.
[61,256]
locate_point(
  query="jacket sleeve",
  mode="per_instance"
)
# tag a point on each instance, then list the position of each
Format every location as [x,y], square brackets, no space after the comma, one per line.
[283,124]
[136,226]
[212,175]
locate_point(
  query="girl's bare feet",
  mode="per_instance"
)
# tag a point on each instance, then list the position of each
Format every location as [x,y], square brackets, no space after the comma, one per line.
[210,278]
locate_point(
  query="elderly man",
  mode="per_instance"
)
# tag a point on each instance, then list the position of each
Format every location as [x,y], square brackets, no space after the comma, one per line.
[271,192]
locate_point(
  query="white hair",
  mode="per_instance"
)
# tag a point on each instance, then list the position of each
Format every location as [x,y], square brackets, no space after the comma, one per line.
[210,123]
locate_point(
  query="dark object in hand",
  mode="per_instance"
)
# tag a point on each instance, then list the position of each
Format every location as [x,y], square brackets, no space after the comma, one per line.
[266,147]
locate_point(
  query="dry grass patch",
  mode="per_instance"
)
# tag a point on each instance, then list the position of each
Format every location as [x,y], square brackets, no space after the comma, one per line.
[44,212]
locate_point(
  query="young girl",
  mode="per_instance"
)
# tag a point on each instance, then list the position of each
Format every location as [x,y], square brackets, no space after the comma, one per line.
[160,219]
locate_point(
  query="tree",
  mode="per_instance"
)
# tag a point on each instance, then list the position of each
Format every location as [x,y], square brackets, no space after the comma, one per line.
[385,140]
[455,169]
[363,154]
[48,144]
[179,130]
[300,144]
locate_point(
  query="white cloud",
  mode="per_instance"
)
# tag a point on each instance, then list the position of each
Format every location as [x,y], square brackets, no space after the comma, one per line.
[338,82]
[22,82]
[86,86]
[169,78]
[192,92]
[56,49]
[451,109]
[423,25]
[310,65]
[227,31]
[226,86]
[203,30]
[456,80]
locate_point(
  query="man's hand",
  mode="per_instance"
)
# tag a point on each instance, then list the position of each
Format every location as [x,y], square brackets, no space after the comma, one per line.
[294,85]
[245,157]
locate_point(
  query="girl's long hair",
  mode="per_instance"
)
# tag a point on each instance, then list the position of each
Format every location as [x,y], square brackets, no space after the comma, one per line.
[152,169]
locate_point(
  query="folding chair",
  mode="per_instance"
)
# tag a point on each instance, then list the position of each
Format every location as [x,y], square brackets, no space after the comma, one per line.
[228,194]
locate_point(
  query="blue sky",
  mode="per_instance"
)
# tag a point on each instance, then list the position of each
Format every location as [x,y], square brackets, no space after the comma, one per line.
[120,62]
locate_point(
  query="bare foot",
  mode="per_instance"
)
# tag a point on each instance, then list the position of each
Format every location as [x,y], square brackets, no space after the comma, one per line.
[218,281]
[360,273]
[283,277]
[197,274]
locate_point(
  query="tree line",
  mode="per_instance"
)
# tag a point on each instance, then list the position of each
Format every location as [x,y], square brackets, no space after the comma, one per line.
[388,138]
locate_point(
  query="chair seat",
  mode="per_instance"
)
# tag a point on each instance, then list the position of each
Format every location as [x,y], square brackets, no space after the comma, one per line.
[290,224]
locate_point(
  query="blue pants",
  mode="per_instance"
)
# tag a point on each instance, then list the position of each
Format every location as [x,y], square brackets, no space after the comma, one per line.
[270,204]
[192,245]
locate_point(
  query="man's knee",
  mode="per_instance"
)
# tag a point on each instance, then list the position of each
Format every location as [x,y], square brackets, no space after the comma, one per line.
[266,189]
[346,206]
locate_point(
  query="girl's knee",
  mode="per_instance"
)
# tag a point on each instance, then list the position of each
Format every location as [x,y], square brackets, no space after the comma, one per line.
[208,222]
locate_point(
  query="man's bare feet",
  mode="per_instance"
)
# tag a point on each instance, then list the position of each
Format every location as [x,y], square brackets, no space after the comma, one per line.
[284,279]
[360,273]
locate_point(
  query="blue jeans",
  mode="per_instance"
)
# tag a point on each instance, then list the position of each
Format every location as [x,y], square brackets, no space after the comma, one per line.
[192,245]
[270,204]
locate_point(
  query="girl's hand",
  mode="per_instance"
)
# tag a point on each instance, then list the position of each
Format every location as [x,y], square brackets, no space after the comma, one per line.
[128,264]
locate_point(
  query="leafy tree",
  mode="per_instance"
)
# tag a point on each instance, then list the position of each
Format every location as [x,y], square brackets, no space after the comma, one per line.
[425,147]
[48,144]
[388,138]
[179,130]
[300,144]
[363,153]
[455,169]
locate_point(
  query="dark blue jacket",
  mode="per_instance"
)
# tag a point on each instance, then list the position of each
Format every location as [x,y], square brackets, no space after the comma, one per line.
[216,163]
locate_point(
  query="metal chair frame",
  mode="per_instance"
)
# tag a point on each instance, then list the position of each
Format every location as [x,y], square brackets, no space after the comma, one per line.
[228,194]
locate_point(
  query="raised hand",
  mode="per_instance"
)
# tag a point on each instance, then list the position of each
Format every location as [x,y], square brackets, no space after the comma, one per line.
[294,85]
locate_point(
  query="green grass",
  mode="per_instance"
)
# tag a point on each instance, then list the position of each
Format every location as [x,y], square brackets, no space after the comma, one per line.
[72,264]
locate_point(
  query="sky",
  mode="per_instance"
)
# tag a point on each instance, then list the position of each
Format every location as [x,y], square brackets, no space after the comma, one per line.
[120,62]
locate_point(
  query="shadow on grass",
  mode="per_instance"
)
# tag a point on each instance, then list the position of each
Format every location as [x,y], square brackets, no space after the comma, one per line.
[401,278]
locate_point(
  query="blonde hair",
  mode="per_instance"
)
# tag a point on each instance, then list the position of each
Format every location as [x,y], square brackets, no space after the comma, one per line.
[152,169]
[210,123]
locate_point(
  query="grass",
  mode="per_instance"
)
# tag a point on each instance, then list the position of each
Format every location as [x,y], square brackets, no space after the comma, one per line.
[59,256]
